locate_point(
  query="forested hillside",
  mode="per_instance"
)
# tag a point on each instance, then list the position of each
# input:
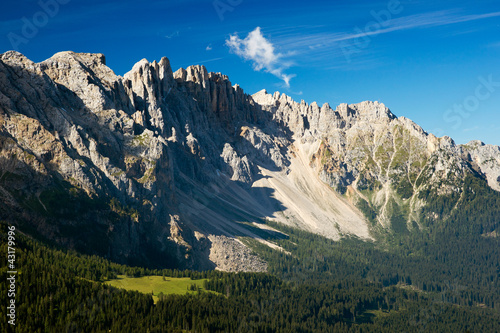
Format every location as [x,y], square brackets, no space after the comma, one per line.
[60,291]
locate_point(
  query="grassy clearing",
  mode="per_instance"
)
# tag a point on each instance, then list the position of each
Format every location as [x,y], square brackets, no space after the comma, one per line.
[379,313]
[156,285]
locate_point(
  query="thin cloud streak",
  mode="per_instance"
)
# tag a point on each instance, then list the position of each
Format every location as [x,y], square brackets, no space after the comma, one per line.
[173,34]
[209,60]
[494,45]
[404,23]
[200,62]
[475,128]
[310,43]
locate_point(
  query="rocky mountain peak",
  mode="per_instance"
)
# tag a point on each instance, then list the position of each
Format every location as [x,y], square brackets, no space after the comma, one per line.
[215,95]
[196,74]
[263,98]
[15,58]
[89,59]
[155,73]
[367,110]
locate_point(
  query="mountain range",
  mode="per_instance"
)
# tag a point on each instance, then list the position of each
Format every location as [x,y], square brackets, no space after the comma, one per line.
[177,169]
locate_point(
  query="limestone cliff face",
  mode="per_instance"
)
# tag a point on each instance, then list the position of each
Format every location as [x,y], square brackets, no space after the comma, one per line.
[381,162]
[69,121]
[485,159]
[215,96]
[158,167]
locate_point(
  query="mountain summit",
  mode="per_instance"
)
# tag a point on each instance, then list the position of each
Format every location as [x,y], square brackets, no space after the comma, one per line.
[174,168]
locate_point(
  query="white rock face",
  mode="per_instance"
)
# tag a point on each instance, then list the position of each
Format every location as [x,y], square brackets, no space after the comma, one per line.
[230,255]
[240,166]
[487,157]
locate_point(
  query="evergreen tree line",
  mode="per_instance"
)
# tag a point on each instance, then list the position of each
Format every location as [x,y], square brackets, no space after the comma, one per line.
[464,271]
[54,295]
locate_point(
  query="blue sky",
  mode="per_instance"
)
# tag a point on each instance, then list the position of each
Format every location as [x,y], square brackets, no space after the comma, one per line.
[437,63]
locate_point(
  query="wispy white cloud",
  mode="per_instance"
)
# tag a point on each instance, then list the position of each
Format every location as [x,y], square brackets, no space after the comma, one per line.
[256,48]
[173,34]
[318,45]
[494,45]
[425,20]
[209,47]
[475,128]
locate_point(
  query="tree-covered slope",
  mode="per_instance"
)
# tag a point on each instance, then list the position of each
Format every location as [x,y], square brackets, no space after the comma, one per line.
[60,291]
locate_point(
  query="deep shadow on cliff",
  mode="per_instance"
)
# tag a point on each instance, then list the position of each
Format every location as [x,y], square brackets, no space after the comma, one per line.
[112,179]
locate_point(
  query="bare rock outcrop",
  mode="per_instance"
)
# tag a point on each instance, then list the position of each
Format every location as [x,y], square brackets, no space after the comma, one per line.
[230,255]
